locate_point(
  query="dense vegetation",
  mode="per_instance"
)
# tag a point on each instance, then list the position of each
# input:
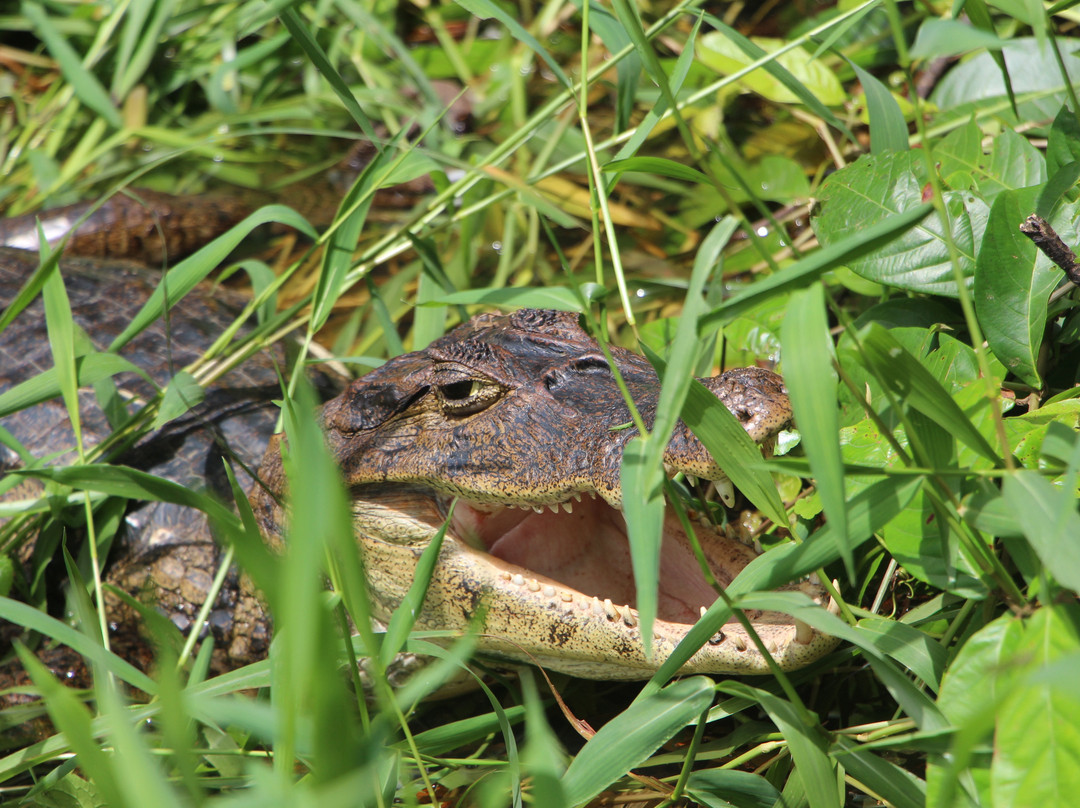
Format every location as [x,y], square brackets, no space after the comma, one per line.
[833,189]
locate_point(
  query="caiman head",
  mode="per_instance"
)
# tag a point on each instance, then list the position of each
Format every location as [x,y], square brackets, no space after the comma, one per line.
[519,419]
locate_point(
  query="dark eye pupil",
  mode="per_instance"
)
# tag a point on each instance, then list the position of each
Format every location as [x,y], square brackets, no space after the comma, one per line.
[457,390]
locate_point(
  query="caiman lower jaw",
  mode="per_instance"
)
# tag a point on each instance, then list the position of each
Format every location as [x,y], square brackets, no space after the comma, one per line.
[557,588]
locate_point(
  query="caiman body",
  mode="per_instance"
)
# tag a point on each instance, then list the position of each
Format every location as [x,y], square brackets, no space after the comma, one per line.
[510,415]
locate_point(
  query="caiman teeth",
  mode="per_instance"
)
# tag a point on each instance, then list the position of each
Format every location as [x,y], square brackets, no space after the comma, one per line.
[726,491]
[803,633]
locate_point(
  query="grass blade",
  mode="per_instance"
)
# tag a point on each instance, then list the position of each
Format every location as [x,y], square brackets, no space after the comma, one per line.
[83,82]
[183,277]
[810,268]
[632,736]
[486,10]
[811,383]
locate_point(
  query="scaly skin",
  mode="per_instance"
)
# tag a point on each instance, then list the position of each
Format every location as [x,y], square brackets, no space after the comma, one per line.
[515,414]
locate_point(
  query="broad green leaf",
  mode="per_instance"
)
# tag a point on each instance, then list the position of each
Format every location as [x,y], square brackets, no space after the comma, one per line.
[724,55]
[882,776]
[979,15]
[811,382]
[183,393]
[632,736]
[909,646]
[1051,523]
[888,129]
[806,743]
[808,269]
[971,685]
[945,37]
[876,188]
[183,277]
[916,387]
[486,10]
[1037,740]
[777,178]
[728,788]
[1013,163]
[1063,145]
[1013,281]
[1035,76]
[930,550]
[959,154]
[1057,187]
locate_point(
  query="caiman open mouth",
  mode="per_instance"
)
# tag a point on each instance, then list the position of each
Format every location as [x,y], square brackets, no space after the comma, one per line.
[582,545]
[554,584]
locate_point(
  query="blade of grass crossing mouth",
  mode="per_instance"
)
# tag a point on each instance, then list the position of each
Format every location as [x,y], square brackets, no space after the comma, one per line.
[642,471]
[811,383]
[869,510]
[404,617]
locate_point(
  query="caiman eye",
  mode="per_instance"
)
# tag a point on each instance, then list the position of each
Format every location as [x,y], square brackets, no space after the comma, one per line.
[467,396]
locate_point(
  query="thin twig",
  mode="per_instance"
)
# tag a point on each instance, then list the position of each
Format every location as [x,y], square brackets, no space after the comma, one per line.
[1037,229]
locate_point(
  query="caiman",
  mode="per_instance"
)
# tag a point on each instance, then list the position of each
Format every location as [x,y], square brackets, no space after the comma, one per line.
[516,417]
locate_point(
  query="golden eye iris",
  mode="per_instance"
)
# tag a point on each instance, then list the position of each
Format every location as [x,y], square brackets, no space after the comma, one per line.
[467,396]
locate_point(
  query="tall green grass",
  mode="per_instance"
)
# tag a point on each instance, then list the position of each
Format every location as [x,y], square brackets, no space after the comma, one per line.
[607,144]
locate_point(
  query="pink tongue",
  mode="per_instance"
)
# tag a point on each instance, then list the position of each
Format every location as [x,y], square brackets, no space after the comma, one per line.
[588,551]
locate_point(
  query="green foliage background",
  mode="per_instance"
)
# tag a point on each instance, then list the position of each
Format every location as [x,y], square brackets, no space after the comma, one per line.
[930,351]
